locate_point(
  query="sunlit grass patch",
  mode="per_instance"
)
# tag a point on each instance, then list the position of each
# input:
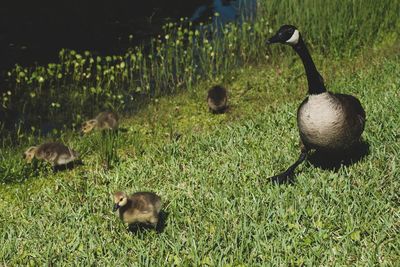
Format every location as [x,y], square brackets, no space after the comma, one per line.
[213,179]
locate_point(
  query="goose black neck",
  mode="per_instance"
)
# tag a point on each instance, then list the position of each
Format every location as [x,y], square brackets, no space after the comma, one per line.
[315,81]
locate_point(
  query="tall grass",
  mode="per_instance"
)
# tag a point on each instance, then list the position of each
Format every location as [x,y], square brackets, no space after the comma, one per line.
[60,94]
[108,146]
[340,27]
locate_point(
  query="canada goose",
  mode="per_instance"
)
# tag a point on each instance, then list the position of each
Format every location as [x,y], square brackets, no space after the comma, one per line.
[141,207]
[217,99]
[104,120]
[327,121]
[53,152]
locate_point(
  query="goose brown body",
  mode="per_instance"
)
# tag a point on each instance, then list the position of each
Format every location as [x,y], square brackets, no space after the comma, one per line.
[217,99]
[53,152]
[103,121]
[330,122]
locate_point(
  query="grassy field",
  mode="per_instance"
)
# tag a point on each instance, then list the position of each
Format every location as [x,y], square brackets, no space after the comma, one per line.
[222,210]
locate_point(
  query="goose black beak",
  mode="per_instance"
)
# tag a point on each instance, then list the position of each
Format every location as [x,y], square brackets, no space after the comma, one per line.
[116,207]
[274,39]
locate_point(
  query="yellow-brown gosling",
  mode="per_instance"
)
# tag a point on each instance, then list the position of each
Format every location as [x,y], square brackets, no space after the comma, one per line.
[141,207]
[104,120]
[217,99]
[53,152]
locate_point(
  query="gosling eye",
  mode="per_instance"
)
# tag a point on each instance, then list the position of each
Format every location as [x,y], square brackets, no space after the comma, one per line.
[121,199]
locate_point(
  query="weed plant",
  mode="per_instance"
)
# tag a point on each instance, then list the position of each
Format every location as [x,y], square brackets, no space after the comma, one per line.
[108,149]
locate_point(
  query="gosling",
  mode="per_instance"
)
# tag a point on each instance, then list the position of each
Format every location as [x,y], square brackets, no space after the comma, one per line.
[103,121]
[141,207]
[217,99]
[53,152]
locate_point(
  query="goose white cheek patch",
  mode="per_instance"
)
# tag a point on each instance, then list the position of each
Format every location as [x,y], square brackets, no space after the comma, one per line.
[294,39]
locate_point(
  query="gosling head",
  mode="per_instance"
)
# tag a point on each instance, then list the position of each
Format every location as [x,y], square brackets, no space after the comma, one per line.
[75,154]
[120,200]
[287,34]
[29,154]
[88,126]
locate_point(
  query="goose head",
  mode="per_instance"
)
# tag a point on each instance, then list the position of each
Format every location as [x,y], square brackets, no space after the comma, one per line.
[88,126]
[74,154]
[120,200]
[287,34]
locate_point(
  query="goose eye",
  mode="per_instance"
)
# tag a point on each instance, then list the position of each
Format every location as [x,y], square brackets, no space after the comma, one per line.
[121,199]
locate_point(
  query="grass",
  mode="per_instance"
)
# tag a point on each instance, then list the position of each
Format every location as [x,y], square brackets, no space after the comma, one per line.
[222,211]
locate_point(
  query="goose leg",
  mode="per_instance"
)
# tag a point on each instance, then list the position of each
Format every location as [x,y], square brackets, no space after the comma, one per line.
[53,167]
[287,175]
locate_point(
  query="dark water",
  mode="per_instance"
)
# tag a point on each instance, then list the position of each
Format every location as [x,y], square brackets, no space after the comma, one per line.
[33,32]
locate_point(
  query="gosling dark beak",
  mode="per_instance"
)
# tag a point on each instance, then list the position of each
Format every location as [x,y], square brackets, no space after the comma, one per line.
[76,154]
[116,207]
[274,39]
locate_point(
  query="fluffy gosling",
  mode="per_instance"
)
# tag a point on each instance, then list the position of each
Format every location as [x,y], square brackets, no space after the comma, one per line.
[53,152]
[141,207]
[217,99]
[104,120]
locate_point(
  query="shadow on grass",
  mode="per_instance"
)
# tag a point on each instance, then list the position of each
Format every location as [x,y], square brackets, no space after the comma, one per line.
[141,227]
[68,166]
[120,130]
[281,179]
[334,161]
[326,161]
[220,111]
[24,171]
